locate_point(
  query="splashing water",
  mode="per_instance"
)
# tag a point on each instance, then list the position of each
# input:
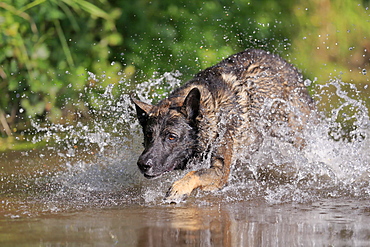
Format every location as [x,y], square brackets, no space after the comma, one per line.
[334,163]
[97,160]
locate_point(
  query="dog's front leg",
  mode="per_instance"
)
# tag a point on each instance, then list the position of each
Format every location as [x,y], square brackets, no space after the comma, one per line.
[182,188]
[212,178]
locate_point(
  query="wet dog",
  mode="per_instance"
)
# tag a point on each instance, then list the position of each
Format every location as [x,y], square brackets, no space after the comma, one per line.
[224,109]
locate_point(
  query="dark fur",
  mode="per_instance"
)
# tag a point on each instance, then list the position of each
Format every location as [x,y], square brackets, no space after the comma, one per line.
[223,109]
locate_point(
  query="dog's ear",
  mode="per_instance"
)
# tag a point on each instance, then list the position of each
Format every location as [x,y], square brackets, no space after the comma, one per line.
[191,104]
[142,110]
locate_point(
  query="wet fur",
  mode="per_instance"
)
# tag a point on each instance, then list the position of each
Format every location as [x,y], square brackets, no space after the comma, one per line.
[224,109]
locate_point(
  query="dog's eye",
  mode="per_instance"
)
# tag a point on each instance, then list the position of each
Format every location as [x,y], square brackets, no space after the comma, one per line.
[172,137]
[149,135]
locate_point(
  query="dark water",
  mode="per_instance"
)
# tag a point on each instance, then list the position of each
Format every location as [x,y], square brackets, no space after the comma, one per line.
[323,223]
[85,188]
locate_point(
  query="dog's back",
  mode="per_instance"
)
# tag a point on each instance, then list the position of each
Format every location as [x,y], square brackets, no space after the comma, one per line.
[230,106]
[259,91]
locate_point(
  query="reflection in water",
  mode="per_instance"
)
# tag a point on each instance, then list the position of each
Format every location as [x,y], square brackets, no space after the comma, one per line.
[326,223]
[261,225]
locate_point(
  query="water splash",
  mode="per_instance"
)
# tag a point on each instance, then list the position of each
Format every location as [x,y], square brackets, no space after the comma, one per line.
[334,163]
[97,159]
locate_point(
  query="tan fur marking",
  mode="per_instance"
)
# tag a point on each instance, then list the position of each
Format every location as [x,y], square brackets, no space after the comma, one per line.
[229,78]
[183,187]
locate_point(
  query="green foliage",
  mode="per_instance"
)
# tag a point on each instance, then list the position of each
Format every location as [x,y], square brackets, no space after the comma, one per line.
[333,40]
[47,48]
[336,32]
[191,35]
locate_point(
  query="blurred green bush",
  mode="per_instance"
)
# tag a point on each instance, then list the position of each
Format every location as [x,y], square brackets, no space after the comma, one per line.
[47,49]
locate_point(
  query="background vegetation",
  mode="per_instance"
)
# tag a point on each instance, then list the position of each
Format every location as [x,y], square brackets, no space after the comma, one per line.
[56,56]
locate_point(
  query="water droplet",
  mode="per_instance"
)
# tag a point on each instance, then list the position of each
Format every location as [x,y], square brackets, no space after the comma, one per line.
[307,82]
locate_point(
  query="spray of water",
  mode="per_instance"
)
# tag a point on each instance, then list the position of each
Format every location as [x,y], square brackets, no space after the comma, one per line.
[97,159]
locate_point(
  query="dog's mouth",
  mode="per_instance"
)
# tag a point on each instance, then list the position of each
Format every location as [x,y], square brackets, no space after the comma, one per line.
[150,175]
[153,176]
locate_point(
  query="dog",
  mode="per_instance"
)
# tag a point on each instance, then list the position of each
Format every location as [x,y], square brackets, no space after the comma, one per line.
[224,110]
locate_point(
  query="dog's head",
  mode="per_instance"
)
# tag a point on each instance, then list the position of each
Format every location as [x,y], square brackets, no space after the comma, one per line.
[170,133]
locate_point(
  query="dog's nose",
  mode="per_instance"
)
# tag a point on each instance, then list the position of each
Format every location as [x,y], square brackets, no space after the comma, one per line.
[145,165]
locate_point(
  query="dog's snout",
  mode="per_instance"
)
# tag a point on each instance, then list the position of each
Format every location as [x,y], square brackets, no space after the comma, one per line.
[145,165]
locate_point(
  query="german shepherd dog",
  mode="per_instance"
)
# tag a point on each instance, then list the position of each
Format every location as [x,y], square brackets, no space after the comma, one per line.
[224,110]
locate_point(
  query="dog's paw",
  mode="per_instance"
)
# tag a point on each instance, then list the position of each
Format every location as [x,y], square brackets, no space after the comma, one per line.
[175,196]
[178,192]
[182,188]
